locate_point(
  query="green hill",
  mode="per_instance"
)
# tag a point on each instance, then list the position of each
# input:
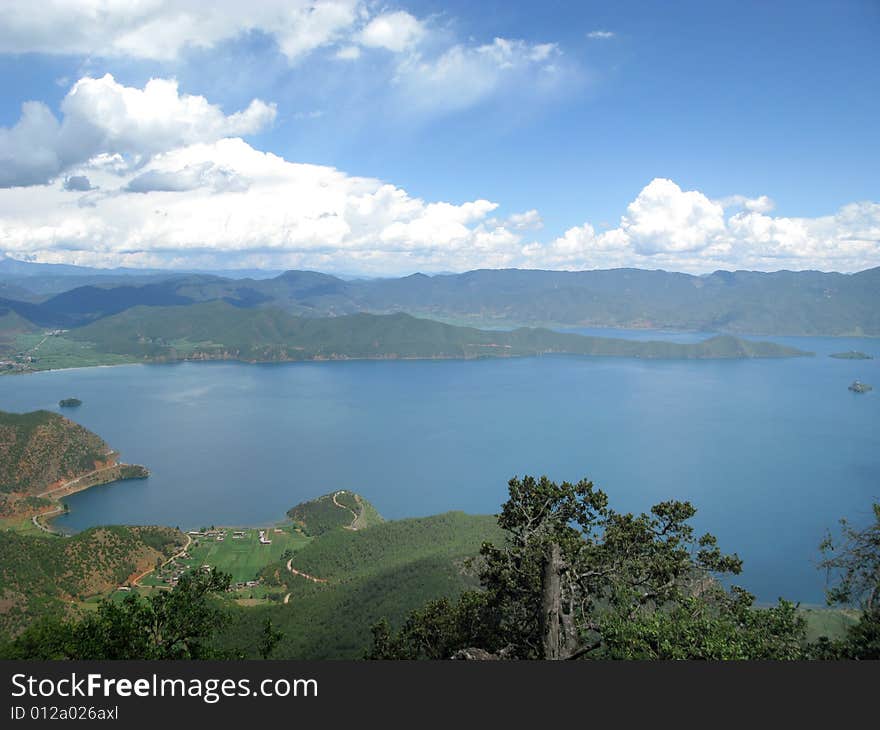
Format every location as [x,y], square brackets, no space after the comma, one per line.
[386,570]
[45,575]
[218,330]
[341,509]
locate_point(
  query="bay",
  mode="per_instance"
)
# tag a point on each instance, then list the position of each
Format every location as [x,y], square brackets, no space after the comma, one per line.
[771,452]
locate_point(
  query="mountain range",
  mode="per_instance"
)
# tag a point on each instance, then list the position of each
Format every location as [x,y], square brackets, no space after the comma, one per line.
[740,302]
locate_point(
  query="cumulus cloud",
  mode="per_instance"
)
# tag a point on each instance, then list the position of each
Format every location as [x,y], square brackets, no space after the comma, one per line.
[225,203]
[665,218]
[101,116]
[178,208]
[667,227]
[152,177]
[161,29]
[393,31]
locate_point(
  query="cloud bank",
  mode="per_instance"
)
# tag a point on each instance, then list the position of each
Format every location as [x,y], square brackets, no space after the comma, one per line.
[152,177]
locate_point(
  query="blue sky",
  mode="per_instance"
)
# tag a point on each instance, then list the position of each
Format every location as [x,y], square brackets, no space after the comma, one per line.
[680,135]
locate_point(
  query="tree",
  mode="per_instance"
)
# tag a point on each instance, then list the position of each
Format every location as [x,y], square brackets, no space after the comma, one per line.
[852,565]
[269,639]
[575,579]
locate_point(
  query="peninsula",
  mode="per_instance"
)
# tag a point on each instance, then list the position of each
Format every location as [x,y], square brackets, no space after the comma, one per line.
[218,330]
[45,457]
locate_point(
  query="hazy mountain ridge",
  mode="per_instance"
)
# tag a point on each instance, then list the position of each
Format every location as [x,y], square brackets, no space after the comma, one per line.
[740,302]
[218,330]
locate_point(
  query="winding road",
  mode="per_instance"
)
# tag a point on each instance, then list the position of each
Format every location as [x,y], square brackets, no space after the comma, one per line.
[355,515]
[136,583]
[66,485]
[35,519]
[303,575]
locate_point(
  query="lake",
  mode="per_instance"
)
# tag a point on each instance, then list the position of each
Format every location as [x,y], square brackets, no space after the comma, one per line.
[772,452]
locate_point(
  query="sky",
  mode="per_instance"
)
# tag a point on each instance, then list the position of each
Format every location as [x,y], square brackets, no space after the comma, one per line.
[370,138]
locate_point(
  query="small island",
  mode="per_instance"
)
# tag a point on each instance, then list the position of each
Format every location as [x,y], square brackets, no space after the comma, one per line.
[851,355]
[859,387]
[69,403]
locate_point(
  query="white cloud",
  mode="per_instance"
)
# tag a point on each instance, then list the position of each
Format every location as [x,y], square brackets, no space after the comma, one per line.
[432,71]
[348,53]
[396,31]
[101,116]
[601,35]
[463,75]
[666,227]
[161,29]
[153,177]
[664,218]
[225,202]
[761,204]
[529,220]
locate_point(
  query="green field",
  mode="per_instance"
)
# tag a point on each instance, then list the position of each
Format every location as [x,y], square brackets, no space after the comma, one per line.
[830,622]
[57,352]
[244,558]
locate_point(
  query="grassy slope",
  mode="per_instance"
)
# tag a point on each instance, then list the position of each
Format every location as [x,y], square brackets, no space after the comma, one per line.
[43,575]
[217,329]
[244,558]
[386,570]
[321,515]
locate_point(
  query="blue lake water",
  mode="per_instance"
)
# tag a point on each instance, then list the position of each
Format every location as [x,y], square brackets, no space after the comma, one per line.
[772,452]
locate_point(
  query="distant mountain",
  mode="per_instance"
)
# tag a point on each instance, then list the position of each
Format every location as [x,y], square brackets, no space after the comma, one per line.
[218,330]
[44,280]
[792,303]
[741,302]
[14,267]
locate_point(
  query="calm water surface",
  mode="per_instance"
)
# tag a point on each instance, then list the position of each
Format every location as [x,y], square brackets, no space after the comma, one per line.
[771,452]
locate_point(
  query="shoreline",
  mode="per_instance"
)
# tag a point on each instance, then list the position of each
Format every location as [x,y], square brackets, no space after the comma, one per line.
[408,358]
[81,484]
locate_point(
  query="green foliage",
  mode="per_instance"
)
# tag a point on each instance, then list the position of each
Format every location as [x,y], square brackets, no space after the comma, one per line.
[269,639]
[852,561]
[387,570]
[575,578]
[342,555]
[177,624]
[41,576]
[323,514]
[728,627]
[246,557]
[320,515]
